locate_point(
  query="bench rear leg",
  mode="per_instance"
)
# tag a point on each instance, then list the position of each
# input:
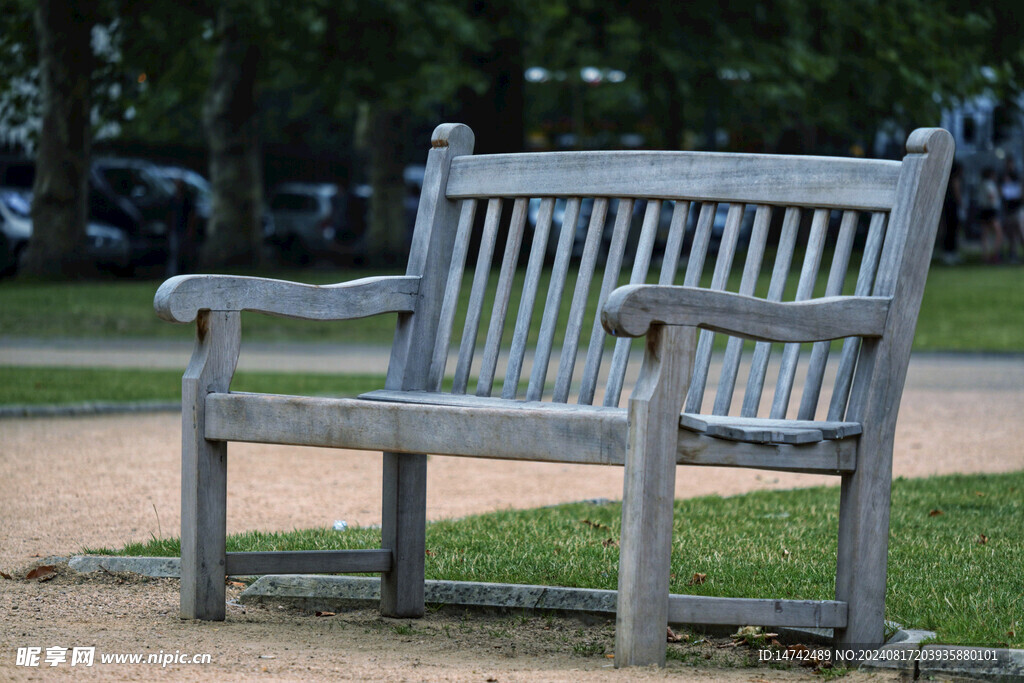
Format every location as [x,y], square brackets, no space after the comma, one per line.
[204,468]
[863,550]
[648,496]
[403,531]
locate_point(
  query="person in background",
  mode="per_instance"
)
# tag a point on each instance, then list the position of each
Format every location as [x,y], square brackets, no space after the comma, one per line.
[1010,193]
[951,215]
[181,242]
[988,214]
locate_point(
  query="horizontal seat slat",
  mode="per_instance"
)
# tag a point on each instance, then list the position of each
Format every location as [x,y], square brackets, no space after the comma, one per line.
[495,428]
[487,427]
[705,176]
[308,562]
[763,430]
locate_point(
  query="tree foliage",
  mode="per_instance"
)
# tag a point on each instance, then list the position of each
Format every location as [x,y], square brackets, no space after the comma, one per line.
[791,75]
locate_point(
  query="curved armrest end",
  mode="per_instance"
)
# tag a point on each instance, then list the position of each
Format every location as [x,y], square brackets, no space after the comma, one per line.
[168,306]
[624,313]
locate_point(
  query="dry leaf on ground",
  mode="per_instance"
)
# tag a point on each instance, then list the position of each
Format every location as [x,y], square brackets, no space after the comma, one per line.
[43,572]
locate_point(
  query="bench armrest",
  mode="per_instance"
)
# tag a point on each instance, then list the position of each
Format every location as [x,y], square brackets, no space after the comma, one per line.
[180,298]
[632,309]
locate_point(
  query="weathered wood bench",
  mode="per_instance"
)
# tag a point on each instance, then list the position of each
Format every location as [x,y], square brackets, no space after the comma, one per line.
[795,201]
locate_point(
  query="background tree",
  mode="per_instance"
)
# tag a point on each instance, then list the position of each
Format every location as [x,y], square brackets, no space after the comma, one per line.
[230,118]
[59,210]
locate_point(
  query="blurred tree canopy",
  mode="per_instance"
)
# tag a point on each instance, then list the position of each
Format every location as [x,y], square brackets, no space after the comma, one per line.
[364,75]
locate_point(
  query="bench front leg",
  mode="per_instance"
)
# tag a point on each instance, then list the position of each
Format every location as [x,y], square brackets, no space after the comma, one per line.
[648,495]
[403,531]
[204,467]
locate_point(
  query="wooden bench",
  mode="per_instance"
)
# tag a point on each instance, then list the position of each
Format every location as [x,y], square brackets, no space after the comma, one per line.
[657,210]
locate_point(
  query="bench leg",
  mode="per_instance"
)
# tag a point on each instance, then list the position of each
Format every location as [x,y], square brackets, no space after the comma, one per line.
[204,468]
[648,495]
[203,528]
[863,552]
[403,531]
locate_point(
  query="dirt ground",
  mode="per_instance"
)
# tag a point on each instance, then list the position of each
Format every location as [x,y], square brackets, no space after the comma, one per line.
[70,483]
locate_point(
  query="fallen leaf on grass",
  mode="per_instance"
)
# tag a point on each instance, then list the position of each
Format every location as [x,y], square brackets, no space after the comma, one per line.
[673,637]
[697,579]
[982,539]
[610,543]
[935,513]
[42,573]
[325,614]
[596,525]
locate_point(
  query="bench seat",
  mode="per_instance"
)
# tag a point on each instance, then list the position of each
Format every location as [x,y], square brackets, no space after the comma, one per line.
[749,430]
[447,424]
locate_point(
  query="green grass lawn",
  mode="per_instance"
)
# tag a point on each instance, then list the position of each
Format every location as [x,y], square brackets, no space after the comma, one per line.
[956,557]
[965,308]
[49,385]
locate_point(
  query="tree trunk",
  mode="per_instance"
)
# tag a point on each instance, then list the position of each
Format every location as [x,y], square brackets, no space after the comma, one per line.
[497,114]
[389,229]
[61,188]
[234,235]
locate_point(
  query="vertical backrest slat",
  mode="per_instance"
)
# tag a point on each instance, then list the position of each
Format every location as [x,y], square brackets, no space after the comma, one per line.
[748,283]
[451,294]
[776,287]
[623,217]
[559,272]
[574,327]
[699,248]
[804,289]
[476,296]
[851,345]
[641,264]
[492,345]
[723,266]
[674,244]
[834,287]
[538,251]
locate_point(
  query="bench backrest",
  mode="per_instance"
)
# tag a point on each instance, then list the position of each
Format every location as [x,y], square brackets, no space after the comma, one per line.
[796,228]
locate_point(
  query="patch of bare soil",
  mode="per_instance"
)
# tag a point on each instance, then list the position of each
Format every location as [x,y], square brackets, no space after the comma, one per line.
[126,614]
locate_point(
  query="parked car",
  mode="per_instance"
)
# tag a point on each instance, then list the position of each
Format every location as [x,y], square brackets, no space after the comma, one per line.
[15,229]
[132,195]
[106,245]
[309,221]
[197,187]
[360,197]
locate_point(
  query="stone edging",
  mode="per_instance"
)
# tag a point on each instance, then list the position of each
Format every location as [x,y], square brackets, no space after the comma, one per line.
[93,408]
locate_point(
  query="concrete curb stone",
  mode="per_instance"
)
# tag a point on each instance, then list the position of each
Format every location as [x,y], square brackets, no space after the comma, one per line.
[156,567]
[83,409]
